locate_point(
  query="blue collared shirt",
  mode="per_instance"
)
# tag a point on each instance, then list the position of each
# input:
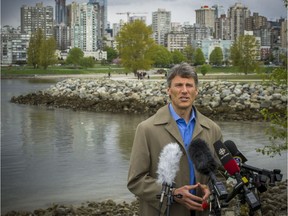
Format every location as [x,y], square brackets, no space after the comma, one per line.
[186,131]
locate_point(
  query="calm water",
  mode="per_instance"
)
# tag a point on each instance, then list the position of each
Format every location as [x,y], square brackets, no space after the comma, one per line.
[62,156]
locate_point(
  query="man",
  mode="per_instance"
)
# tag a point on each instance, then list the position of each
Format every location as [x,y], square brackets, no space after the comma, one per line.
[178,122]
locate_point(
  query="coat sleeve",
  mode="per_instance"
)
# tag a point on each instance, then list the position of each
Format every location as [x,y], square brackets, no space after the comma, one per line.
[141,181]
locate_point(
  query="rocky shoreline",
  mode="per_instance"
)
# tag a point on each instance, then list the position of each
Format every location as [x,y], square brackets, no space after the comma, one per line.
[219,100]
[273,203]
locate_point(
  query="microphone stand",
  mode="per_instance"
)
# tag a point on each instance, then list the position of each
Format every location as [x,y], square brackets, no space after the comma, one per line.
[169,199]
[215,206]
[166,191]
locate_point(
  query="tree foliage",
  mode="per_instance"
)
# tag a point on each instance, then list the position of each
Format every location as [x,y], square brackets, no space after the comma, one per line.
[177,57]
[134,46]
[199,57]
[244,53]
[74,56]
[216,56]
[203,69]
[87,62]
[111,54]
[188,53]
[47,52]
[277,130]
[34,49]
[160,56]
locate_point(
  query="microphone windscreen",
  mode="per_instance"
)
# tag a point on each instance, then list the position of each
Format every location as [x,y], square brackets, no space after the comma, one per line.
[168,166]
[226,158]
[201,157]
[238,156]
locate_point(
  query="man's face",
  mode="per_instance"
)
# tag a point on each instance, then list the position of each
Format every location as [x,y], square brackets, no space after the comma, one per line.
[182,92]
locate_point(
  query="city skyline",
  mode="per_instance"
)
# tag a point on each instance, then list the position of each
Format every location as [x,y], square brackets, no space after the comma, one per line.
[181,10]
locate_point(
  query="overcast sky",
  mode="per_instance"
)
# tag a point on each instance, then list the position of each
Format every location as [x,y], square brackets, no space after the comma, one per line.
[181,10]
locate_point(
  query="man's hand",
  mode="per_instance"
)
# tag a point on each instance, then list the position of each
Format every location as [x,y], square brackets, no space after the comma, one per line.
[191,201]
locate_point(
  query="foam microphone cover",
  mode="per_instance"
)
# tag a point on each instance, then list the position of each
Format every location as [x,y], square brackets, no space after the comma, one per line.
[201,156]
[168,165]
[226,158]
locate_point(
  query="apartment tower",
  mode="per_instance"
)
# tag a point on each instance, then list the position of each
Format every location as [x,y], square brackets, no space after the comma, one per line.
[161,25]
[33,18]
[237,15]
[205,16]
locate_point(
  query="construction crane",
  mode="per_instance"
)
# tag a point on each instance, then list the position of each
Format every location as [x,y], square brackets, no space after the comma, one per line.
[128,14]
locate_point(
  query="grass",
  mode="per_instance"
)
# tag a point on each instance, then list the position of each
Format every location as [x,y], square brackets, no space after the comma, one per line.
[215,73]
[58,70]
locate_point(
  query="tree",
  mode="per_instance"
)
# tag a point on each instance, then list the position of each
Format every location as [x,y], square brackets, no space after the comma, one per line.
[74,56]
[216,56]
[199,57]
[244,53]
[87,62]
[177,57]
[47,52]
[33,51]
[188,53]
[111,54]
[203,69]
[134,45]
[160,56]
[277,129]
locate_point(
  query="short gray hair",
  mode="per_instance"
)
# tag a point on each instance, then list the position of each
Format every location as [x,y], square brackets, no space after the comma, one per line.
[183,70]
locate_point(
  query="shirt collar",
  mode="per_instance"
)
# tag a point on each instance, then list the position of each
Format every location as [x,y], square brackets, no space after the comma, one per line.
[176,117]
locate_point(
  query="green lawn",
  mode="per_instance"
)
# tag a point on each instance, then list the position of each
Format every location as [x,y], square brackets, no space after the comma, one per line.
[214,73]
[59,70]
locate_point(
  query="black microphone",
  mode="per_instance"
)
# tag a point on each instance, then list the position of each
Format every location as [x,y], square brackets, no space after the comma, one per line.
[237,155]
[206,165]
[273,176]
[232,168]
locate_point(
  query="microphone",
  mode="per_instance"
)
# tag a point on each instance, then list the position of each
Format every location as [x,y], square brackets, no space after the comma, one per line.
[232,168]
[273,176]
[237,155]
[206,165]
[169,163]
[226,158]
[168,166]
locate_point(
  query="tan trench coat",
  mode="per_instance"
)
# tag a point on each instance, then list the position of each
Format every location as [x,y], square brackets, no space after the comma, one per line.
[150,138]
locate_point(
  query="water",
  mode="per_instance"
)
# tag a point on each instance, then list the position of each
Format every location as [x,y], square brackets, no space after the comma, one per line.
[61,156]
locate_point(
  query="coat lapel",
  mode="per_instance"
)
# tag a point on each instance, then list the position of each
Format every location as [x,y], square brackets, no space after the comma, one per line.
[163,117]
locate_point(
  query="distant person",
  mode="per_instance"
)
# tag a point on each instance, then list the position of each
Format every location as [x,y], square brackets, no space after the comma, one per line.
[177,122]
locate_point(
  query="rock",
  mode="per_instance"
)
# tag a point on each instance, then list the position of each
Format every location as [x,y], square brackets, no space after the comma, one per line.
[147,96]
[273,203]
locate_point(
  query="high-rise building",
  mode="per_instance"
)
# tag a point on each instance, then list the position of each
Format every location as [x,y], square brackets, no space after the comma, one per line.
[255,22]
[14,47]
[84,28]
[219,10]
[237,14]
[222,28]
[38,17]
[61,30]
[177,41]
[60,12]
[205,16]
[102,18]
[161,25]
[284,35]
[133,18]
[198,32]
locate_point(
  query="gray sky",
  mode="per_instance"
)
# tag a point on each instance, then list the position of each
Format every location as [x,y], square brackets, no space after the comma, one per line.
[181,10]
